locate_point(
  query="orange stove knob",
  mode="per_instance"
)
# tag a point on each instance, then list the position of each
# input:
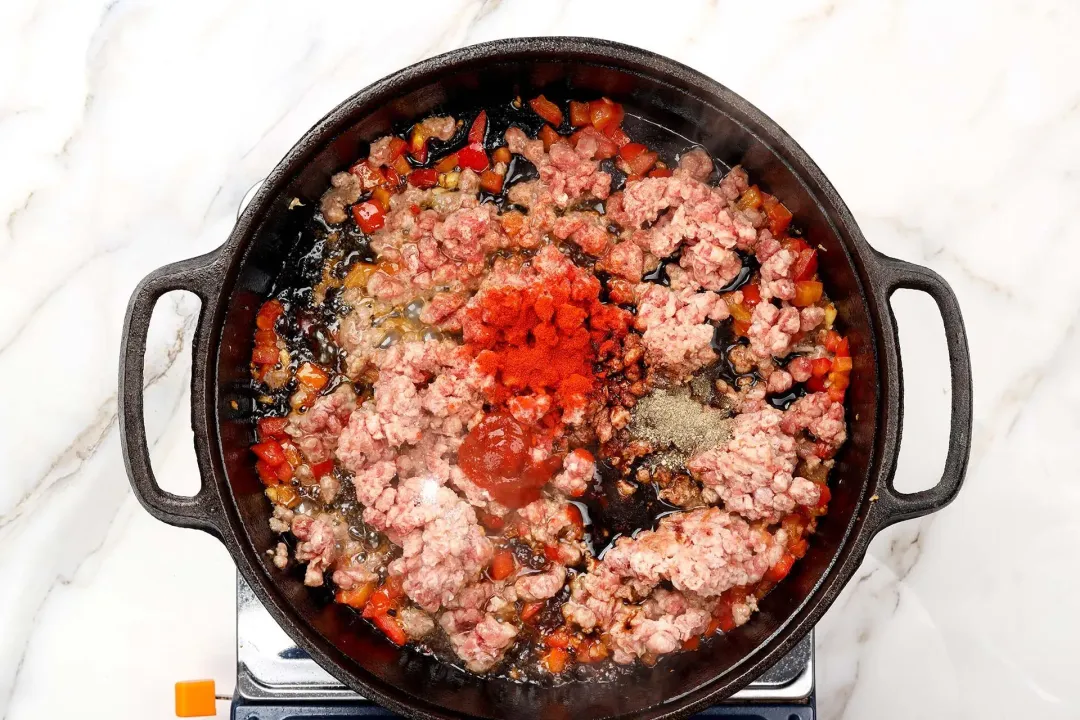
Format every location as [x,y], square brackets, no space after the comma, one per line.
[196,698]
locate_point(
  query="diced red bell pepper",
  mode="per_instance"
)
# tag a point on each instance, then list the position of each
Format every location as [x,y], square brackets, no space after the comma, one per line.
[816,383]
[369,216]
[267,473]
[502,565]
[832,341]
[265,337]
[393,180]
[751,295]
[356,597]
[378,604]
[806,265]
[780,570]
[270,451]
[418,146]
[391,627]
[605,113]
[579,113]
[751,199]
[401,166]
[843,348]
[799,547]
[839,380]
[547,110]
[836,394]
[292,455]
[265,355]
[617,135]
[478,129]
[826,495]
[491,181]
[821,366]
[794,244]
[549,136]
[807,292]
[574,514]
[473,157]
[557,639]
[555,660]
[326,467]
[660,172]
[424,178]
[312,376]
[369,176]
[447,164]
[551,552]
[491,522]
[284,472]
[778,216]
[268,314]
[605,147]
[691,643]
[398,147]
[272,427]
[637,157]
[531,610]
[381,197]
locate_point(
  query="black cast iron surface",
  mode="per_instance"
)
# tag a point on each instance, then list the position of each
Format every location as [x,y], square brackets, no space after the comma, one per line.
[232,281]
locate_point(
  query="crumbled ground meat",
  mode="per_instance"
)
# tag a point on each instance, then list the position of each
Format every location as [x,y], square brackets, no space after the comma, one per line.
[773,330]
[700,553]
[281,556]
[625,260]
[540,586]
[415,622]
[676,337]
[752,474]
[344,190]
[776,275]
[821,415]
[480,640]
[577,473]
[444,547]
[657,627]
[316,431]
[711,265]
[551,523]
[567,174]
[695,164]
[319,539]
[587,230]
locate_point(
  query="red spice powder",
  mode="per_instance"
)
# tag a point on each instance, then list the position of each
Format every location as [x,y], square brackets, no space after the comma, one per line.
[544,337]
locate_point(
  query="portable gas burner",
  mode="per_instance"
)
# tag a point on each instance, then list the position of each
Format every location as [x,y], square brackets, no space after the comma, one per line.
[276,680]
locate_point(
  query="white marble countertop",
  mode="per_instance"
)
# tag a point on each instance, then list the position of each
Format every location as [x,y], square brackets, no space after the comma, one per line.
[129,131]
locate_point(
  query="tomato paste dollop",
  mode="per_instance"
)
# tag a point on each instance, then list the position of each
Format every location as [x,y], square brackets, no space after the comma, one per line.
[498,456]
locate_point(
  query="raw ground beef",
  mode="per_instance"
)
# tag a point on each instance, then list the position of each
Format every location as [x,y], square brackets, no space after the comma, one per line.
[821,415]
[675,334]
[567,174]
[752,474]
[316,431]
[700,553]
[772,330]
[577,473]
[478,639]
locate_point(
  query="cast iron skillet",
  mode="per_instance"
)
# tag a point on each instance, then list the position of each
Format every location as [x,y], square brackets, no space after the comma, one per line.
[232,281]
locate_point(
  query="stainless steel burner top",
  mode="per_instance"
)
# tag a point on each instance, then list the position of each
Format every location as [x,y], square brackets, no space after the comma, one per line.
[271,668]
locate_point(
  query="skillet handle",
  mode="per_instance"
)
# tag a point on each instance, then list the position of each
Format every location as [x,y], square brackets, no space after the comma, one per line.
[893,506]
[200,276]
